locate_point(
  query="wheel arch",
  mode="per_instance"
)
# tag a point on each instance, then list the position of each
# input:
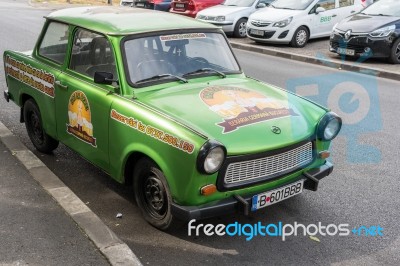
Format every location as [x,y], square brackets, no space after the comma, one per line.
[22,99]
[133,157]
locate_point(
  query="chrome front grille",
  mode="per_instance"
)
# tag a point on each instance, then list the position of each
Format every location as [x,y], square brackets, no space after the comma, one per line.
[209,18]
[260,23]
[269,166]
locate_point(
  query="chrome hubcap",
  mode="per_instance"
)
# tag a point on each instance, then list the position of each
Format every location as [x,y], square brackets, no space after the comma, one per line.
[397,52]
[242,29]
[301,37]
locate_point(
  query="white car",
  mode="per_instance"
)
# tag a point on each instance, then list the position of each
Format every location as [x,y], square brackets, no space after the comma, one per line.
[232,15]
[126,3]
[297,21]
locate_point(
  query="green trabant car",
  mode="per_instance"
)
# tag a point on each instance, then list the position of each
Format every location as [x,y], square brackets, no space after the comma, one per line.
[159,102]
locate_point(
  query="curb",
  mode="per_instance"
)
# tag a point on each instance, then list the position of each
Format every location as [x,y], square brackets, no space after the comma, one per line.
[312,60]
[114,249]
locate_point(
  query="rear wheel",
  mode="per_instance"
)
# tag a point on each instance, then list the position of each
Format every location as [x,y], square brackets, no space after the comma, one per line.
[33,123]
[300,37]
[395,53]
[152,194]
[240,28]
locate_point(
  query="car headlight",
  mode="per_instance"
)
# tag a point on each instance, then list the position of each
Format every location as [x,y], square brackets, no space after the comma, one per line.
[211,157]
[383,32]
[283,23]
[220,18]
[329,126]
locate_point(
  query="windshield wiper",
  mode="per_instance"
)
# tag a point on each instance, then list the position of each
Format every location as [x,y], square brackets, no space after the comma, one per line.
[382,15]
[161,76]
[203,70]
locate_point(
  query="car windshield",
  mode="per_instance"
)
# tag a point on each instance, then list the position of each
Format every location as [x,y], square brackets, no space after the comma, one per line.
[384,8]
[241,3]
[161,58]
[292,4]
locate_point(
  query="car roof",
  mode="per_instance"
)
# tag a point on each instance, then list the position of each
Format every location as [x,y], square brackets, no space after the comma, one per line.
[115,20]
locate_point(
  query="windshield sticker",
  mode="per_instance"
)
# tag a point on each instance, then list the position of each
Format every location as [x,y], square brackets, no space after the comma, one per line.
[186,36]
[80,117]
[153,132]
[242,107]
[31,76]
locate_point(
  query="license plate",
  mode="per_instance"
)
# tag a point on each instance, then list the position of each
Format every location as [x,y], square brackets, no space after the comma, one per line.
[257,32]
[140,4]
[274,196]
[344,51]
[180,5]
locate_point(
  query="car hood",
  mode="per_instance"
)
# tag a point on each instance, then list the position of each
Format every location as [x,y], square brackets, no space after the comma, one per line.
[364,23]
[274,14]
[239,113]
[221,10]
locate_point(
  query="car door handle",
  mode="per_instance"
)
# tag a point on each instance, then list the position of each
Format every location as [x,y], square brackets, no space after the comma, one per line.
[334,15]
[59,84]
[352,11]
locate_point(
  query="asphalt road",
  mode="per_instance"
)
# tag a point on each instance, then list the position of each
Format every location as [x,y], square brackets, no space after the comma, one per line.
[363,189]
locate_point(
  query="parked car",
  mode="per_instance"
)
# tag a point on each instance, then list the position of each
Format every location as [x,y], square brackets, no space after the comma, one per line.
[126,3]
[375,32]
[295,22]
[162,5]
[232,15]
[124,87]
[191,7]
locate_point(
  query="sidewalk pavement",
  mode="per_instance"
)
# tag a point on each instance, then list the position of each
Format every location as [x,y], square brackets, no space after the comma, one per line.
[317,52]
[36,227]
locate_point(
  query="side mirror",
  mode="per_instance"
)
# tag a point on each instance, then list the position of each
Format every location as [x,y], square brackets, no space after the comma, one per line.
[103,78]
[319,10]
[261,5]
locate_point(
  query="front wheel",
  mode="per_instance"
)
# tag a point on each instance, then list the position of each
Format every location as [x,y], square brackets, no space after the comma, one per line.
[395,53]
[152,194]
[33,123]
[240,28]
[300,37]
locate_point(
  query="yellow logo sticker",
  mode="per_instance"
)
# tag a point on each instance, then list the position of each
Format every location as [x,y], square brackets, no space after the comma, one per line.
[80,118]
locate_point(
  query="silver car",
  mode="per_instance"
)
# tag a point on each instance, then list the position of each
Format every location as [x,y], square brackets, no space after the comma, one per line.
[126,3]
[232,15]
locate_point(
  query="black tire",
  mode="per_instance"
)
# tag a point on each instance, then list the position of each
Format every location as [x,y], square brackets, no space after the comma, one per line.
[33,123]
[300,37]
[394,57]
[240,28]
[152,194]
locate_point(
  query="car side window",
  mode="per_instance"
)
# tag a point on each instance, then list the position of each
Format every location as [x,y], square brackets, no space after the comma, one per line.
[54,43]
[343,3]
[326,4]
[91,52]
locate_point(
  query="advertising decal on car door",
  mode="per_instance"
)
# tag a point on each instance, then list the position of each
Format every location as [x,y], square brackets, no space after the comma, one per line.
[79,117]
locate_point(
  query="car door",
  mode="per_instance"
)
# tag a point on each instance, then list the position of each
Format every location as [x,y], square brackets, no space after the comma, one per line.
[324,21]
[51,55]
[82,106]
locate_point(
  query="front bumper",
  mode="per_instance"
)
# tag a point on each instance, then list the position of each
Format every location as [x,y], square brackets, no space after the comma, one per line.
[227,26]
[362,45]
[270,34]
[243,204]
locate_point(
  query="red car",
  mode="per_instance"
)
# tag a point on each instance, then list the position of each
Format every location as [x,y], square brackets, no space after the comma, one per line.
[191,7]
